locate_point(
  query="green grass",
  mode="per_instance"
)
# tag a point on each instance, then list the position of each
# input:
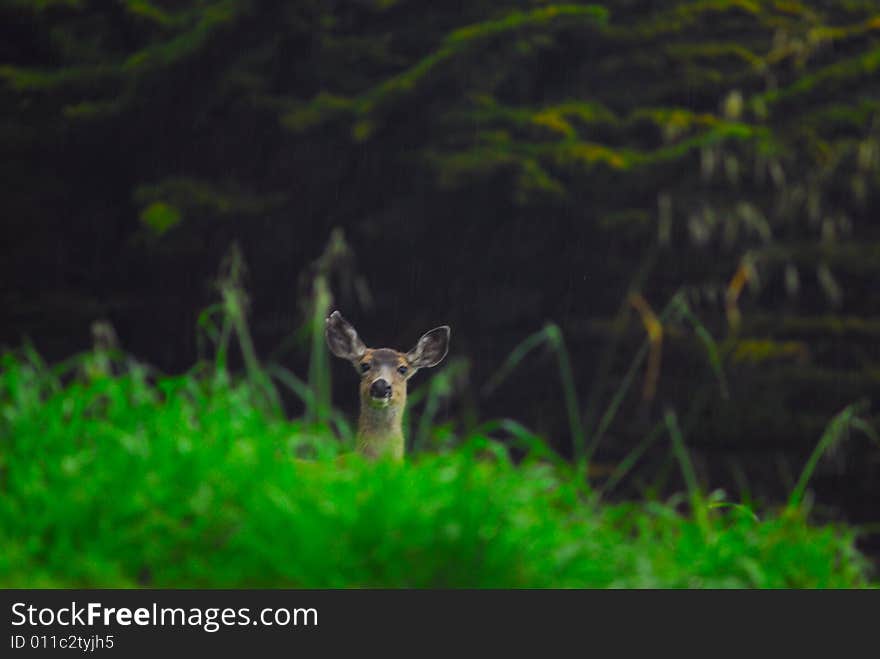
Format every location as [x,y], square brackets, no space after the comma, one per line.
[199,480]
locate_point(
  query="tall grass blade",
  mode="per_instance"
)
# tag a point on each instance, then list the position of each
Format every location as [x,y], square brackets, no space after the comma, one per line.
[609,353]
[575,425]
[708,342]
[319,361]
[513,360]
[835,432]
[744,491]
[302,391]
[655,332]
[630,460]
[657,431]
[625,384]
[206,327]
[439,387]
[235,304]
[551,335]
[687,470]
[522,437]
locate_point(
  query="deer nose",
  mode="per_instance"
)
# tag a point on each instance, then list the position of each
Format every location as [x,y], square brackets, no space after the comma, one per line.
[380,389]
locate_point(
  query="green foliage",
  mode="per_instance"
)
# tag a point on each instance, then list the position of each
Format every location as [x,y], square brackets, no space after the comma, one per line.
[160,217]
[761,351]
[201,197]
[192,481]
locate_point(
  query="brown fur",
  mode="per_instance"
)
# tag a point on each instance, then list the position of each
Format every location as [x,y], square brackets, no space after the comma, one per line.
[380,431]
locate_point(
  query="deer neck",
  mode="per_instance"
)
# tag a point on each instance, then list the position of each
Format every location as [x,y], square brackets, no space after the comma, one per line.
[380,430]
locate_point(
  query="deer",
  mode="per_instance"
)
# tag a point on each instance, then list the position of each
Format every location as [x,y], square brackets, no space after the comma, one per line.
[384,374]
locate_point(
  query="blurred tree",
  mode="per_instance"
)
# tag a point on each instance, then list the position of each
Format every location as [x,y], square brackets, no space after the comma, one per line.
[578,152]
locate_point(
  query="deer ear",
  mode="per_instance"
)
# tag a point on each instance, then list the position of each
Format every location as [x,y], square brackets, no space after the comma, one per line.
[431,348]
[342,338]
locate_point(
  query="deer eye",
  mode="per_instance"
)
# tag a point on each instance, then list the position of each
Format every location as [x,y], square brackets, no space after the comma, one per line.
[402,370]
[365,367]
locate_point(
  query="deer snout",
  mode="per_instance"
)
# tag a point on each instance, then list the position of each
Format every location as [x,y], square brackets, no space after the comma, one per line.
[380,389]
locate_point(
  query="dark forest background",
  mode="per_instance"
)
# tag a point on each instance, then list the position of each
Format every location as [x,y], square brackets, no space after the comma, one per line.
[489,165]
